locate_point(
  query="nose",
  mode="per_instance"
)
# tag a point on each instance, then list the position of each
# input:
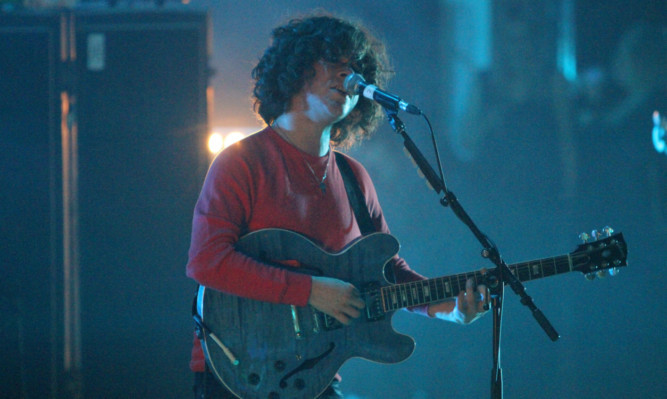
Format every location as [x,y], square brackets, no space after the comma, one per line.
[345,69]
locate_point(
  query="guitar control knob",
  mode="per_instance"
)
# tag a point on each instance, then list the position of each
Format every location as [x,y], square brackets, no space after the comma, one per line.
[590,276]
[279,365]
[253,379]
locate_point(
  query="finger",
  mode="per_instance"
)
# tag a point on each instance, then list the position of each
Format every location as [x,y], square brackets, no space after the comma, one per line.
[481,306]
[470,295]
[346,313]
[342,317]
[481,293]
[484,292]
[356,302]
[470,284]
[352,312]
[461,301]
[353,298]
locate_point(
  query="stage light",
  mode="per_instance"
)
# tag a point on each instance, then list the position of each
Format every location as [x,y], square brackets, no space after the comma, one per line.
[233,137]
[223,137]
[215,143]
[659,125]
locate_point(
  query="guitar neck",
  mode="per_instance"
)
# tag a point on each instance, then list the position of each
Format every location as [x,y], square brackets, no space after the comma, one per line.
[424,292]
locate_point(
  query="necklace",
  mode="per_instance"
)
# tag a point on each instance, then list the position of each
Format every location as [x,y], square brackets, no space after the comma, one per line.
[319,182]
[323,186]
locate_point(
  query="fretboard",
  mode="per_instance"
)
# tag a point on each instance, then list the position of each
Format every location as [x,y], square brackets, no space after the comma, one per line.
[423,292]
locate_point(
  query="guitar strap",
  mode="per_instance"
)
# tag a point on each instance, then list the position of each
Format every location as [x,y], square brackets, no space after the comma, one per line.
[358,204]
[356,197]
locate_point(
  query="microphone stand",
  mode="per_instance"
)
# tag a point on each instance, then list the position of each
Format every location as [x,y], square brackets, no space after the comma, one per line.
[495,279]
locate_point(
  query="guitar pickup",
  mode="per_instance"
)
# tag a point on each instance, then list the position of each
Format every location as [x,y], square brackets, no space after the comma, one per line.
[373,299]
[330,323]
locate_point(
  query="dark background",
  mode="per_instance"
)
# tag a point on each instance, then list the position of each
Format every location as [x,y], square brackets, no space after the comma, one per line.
[533,157]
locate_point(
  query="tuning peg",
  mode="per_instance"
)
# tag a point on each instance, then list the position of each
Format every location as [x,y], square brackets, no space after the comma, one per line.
[596,234]
[602,273]
[607,231]
[584,237]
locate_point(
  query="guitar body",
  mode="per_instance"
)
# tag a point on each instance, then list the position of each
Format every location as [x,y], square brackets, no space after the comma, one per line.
[282,351]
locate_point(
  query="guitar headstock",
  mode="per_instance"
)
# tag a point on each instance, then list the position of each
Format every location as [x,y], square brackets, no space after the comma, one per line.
[602,253]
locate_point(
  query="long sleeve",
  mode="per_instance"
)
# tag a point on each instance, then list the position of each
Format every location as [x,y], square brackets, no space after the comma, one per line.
[221,216]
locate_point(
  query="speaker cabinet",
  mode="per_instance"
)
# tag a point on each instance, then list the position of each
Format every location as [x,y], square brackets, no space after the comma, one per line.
[31,203]
[103,118]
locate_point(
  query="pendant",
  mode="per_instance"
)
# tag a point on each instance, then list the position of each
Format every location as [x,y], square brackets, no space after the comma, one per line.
[323,187]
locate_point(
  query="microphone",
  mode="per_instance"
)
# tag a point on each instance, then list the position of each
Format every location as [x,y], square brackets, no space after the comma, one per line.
[659,124]
[355,84]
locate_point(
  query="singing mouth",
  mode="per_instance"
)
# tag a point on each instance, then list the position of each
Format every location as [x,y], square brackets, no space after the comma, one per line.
[341,91]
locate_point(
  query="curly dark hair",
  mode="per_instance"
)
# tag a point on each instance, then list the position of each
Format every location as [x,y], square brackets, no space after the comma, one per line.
[287,65]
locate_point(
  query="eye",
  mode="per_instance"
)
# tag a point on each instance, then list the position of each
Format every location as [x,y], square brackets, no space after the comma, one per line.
[353,66]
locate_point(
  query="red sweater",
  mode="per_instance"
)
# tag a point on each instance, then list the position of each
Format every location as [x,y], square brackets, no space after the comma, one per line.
[265,182]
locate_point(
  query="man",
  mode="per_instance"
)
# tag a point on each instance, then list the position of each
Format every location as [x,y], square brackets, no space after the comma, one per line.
[286,177]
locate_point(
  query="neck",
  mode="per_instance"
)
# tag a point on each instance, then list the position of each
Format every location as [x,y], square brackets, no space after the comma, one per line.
[303,133]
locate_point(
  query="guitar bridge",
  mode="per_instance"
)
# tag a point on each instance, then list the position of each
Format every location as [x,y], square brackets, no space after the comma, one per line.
[372,297]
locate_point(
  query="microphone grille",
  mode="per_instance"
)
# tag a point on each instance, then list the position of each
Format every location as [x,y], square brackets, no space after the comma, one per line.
[352,82]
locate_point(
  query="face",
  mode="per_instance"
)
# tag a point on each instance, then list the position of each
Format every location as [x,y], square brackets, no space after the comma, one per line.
[322,98]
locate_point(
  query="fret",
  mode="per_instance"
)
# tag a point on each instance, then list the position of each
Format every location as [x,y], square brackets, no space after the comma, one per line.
[432,290]
[452,284]
[437,288]
[567,264]
[407,294]
[548,267]
[414,291]
[404,295]
[448,288]
[555,270]
[461,280]
[460,286]
[413,295]
[400,296]
[536,271]
[522,272]
[477,277]
[423,291]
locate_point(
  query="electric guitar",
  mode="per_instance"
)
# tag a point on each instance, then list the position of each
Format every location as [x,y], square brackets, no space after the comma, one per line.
[273,351]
